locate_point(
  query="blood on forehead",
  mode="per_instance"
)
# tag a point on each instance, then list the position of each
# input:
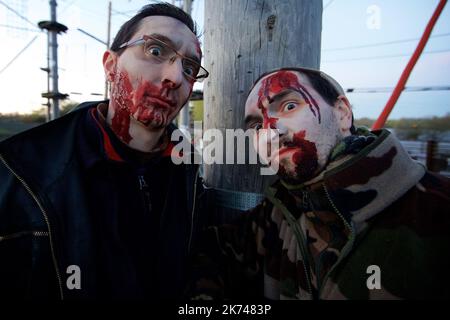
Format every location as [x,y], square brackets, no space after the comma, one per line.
[274,84]
[198,49]
[281,81]
[278,82]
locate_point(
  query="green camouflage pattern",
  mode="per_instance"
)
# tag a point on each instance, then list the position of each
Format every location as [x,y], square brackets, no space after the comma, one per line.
[317,240]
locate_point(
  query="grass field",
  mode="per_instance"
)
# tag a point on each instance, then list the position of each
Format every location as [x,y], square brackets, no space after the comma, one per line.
[9,127]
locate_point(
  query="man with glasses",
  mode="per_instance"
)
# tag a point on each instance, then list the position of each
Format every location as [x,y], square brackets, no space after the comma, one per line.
[91,204]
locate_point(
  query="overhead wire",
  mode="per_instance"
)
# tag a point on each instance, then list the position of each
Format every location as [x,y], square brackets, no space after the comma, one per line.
[18,54]
[328,4]
[384,56]
[18,14]
[18,28]
[382,43]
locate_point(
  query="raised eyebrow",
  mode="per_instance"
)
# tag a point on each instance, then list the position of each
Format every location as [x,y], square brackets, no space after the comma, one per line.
[280,95]
[164,39]
[173,45]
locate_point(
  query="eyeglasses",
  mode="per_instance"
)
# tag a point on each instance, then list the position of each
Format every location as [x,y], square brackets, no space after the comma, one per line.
[158,52]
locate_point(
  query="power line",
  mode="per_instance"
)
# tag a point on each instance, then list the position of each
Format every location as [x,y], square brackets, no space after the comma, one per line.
[407,89]
[92,12]
[18,28]
[90,35]
[128,11]
[121,13]
[383,43]
[67,6]
[18,14]
[18,55]
[327,5]
[384,57]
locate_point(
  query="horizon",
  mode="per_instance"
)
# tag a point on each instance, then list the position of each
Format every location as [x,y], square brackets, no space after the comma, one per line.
[368,51]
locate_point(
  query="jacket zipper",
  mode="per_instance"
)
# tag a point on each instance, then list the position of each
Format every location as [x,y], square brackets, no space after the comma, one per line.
[305,206]
[143,186]
[24,233]
[346,248]
[44,213]
[298,233]
[193,211]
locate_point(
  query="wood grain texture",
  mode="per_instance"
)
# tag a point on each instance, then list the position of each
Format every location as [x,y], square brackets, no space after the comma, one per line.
[243,39]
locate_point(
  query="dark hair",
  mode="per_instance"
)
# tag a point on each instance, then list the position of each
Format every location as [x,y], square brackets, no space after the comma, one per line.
[326,90]
[130,27]
[323,87]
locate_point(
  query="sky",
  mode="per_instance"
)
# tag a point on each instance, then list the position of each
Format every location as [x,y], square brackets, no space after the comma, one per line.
[346,24]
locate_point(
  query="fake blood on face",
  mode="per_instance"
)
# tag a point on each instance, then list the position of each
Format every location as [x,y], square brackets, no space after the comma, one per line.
[145,104]
[304,158]
[145,95]
[121,99]
[268,122]
[281,81]
[198,49]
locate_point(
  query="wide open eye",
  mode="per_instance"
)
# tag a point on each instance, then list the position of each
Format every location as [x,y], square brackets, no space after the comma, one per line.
[289,106]
[189,71]
[190,68]
[155,51]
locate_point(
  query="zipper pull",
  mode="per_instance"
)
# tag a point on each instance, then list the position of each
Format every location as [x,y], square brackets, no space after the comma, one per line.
[144,187]
[142,183]
[305,201]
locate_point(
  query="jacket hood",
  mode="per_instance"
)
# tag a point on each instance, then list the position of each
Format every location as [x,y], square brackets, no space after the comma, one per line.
[361,185]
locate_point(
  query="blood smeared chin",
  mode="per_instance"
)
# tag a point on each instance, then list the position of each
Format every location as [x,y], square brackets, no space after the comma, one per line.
[302,165]
[121,102]
[137,104]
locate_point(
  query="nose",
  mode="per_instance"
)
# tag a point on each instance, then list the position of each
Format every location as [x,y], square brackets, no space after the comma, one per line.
[275,125]
[282,129]
[277,133]
[172,74]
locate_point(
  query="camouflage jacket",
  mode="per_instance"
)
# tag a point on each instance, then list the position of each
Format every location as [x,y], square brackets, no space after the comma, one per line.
[375,225]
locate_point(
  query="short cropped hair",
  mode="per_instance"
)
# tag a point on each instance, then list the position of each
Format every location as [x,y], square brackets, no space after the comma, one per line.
[130,27]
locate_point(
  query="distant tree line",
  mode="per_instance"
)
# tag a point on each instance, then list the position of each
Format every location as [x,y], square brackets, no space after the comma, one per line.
[434,123]
[437,128]
[13,123]
[434,128]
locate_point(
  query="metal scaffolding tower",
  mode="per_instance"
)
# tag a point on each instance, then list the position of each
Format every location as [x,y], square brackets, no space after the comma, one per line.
[53,29]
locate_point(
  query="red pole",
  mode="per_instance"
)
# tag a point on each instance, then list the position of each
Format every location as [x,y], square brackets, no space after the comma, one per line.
[407,72]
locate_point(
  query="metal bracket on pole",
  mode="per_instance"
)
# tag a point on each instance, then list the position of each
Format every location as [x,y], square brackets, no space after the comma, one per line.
[53,29]
[236,199]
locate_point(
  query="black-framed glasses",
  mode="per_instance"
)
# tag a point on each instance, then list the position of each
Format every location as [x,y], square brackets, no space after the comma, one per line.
[158,51]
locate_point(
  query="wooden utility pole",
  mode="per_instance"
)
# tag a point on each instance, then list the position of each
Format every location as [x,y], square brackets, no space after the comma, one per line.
[184,114]
[244,39]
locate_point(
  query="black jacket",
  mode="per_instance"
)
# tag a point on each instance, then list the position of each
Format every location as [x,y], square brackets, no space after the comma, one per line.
[47,222]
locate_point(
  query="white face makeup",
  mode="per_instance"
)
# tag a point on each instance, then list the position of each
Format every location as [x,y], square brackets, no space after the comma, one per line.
[307,126]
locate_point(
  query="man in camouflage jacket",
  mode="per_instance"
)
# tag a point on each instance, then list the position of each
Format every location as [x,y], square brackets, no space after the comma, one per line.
[352,215]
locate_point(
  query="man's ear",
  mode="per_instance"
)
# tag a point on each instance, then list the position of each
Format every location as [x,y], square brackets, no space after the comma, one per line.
[109,64]
[343,112]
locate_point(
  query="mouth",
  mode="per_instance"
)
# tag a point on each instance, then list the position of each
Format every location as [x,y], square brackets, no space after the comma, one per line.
[159,102]
[283,151]
[286,150]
